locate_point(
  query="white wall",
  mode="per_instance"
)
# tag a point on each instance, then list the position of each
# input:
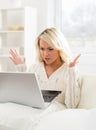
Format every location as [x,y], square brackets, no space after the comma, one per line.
[41,6]
[45,16]
[45,12]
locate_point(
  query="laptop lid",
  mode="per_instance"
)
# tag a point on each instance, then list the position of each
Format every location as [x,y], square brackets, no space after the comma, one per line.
[22,88]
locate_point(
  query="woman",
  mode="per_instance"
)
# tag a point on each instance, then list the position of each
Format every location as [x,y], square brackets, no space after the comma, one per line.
[55,69]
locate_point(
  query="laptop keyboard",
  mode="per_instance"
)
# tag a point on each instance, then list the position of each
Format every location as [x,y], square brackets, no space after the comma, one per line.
[49,95]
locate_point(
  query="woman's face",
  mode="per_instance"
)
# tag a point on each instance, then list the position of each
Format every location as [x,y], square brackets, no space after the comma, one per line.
[48,54]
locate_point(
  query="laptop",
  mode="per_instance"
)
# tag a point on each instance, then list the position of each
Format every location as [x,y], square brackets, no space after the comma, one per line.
[23,88]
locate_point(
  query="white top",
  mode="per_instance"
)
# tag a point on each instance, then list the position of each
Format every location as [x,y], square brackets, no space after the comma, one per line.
[64,78]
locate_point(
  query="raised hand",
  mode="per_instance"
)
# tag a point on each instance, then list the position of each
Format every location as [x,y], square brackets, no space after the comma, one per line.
[74,62]
[15,57]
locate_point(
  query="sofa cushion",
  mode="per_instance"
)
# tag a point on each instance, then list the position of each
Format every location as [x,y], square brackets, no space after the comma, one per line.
[88,91]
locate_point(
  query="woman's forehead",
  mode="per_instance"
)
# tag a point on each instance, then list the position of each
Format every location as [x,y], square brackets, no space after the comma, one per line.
[43,43]
[46,44]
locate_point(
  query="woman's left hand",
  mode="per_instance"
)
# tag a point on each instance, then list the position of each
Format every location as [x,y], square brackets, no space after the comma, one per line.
[74,62]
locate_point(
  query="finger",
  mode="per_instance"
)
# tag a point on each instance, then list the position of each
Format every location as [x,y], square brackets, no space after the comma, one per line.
[77,57]
[13,53]
[11,50]
[16,52]
[24,59]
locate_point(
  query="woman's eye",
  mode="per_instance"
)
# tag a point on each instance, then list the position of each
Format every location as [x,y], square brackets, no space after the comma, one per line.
[42,49]
[50,49]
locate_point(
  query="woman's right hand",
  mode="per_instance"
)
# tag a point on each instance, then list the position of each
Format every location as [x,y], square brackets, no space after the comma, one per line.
[15,57]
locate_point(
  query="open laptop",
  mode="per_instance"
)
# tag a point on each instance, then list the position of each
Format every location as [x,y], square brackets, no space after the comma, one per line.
[23,88]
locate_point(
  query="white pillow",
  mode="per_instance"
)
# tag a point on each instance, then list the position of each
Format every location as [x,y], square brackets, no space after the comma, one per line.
[70,119]
[17,117]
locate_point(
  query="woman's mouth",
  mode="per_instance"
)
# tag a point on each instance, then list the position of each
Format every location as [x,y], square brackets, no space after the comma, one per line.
[47,59]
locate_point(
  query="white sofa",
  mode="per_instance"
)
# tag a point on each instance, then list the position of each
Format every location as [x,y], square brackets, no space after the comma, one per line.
[88,93]
[19,117]
[83,118]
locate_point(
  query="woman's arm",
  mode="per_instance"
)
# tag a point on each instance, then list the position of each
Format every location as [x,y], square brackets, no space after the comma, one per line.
[72,95]
[73,88]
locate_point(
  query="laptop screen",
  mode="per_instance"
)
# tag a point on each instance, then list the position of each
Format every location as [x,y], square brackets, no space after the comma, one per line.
[22,88]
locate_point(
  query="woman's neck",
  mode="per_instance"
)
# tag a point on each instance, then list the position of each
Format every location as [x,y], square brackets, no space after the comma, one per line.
[50,68]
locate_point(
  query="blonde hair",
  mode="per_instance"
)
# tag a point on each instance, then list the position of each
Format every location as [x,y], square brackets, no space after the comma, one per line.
[56,40]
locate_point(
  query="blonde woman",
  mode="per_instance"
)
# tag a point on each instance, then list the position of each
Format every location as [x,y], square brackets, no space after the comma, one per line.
[55,69]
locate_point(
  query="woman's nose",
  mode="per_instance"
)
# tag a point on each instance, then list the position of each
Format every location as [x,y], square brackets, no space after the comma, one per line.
[46,52]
